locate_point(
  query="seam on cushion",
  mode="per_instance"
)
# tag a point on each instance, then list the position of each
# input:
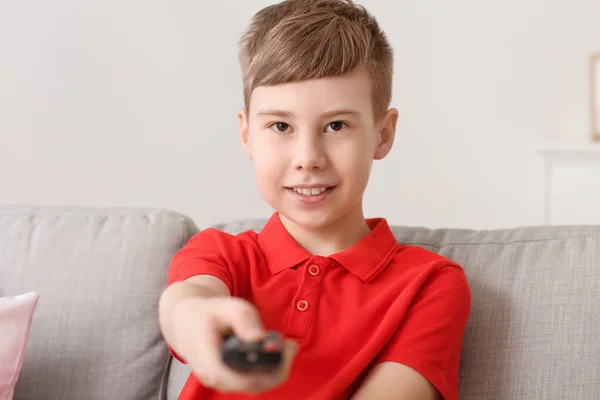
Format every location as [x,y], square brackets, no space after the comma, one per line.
[164,382]
[425,243]
[164,379]
[184,232]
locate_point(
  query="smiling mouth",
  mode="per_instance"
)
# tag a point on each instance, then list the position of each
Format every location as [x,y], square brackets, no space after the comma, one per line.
[315,191]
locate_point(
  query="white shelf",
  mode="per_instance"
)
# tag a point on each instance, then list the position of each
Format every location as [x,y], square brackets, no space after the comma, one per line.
[570,152]
[571,182]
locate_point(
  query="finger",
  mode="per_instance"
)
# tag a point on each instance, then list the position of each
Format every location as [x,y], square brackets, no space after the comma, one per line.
[266,381]
[255,383]
[290,349]
[241,317]
[207,354]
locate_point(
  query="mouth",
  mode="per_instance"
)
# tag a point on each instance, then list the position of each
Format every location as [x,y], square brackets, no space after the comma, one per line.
[311,191]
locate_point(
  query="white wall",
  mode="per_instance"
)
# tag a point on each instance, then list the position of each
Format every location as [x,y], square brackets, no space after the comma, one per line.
[118,103]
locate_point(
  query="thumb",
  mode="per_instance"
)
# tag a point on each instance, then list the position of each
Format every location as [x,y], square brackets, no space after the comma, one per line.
[290,350]
[291,347]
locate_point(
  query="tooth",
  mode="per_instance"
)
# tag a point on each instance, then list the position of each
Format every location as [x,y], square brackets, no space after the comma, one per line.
[310,191]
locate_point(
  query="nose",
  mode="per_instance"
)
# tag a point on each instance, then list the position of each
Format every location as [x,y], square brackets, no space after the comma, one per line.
[309,153]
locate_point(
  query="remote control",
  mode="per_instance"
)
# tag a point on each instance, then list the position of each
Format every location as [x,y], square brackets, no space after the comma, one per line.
[260,356]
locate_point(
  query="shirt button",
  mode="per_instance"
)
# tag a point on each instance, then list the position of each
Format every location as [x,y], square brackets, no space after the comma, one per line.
[314,270]
[302,305]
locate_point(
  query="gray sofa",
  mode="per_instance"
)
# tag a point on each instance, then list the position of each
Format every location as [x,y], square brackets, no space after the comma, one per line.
[533,332]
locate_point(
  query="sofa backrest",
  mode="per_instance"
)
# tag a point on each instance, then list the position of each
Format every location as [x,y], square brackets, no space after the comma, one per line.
[534,327]
[533,332]
[99,274]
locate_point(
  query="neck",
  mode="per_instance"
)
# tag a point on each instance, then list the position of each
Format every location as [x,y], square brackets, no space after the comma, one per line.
[333,238]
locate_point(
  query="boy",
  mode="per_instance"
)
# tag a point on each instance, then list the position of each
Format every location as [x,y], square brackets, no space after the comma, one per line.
[364,317]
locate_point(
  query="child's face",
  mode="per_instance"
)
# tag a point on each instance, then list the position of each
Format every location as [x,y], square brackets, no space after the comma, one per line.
[312,144]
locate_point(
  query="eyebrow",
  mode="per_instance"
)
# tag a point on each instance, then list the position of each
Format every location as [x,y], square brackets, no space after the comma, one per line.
[328,114]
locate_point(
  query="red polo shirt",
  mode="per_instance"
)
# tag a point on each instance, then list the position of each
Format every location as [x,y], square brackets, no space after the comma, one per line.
[377,301]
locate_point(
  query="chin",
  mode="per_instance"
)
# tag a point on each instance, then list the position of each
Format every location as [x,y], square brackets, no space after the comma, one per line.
[308,220]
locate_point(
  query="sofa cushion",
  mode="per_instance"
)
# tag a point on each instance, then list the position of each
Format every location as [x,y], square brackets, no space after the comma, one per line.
[534,327]
[16,313]
[99,273]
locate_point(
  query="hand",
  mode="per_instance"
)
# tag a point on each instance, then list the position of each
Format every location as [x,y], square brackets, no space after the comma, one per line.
[202,323]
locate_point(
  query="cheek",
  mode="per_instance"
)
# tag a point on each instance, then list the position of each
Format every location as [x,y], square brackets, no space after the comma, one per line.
[267,162]
[354,158]
[359,172]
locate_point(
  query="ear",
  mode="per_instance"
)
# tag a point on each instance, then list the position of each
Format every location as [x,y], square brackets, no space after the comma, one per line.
[386,133]
[244,133]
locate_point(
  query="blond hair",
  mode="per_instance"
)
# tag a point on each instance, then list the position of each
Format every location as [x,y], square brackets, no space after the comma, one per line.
[298,40]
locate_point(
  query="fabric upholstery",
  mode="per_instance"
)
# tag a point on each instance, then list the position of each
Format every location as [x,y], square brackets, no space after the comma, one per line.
[533,332]
[99,273]
[16,313]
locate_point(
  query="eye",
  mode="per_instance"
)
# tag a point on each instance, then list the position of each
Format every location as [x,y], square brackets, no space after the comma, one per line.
[280,126]
[336,126]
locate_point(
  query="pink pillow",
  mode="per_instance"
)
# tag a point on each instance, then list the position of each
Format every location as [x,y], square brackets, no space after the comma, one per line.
[16,314]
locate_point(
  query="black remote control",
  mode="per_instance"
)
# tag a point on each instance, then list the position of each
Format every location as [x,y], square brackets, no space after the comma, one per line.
[260,356]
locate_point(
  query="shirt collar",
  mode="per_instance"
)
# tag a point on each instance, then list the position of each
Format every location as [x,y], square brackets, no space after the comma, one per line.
[366,259]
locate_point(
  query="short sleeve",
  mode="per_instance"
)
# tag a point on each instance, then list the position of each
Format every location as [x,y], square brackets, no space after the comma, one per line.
[203,254]
[429,339]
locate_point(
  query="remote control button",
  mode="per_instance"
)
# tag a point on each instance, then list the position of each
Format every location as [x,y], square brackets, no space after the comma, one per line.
[314,270]
[252,357]
[271,347]
[272,343]
[302,305]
